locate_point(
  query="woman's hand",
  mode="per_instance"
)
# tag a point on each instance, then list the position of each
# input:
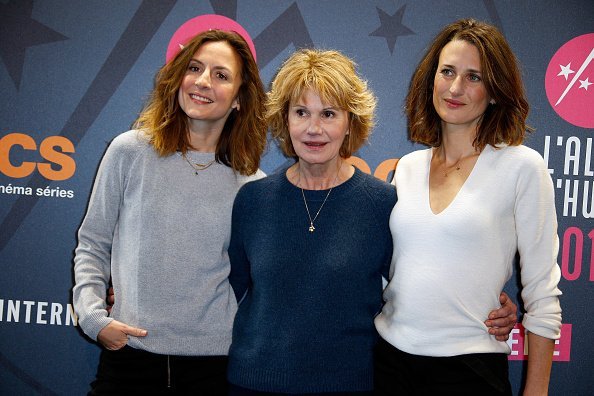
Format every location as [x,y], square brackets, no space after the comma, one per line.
[501,321]
[114,336]
[110,299]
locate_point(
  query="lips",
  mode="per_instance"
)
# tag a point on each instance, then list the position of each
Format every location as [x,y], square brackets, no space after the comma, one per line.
[453,103]
[314,145]
[200,98]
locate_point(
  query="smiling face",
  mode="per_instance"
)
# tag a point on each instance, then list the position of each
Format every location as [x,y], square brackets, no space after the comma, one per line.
[317,130]
[459,93]
[208,91]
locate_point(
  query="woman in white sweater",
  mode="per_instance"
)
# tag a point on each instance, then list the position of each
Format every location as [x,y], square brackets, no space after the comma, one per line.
[466,207]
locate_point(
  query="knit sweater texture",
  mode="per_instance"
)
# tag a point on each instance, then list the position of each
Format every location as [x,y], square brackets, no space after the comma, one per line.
[161,232]
[449,268]
[308,299]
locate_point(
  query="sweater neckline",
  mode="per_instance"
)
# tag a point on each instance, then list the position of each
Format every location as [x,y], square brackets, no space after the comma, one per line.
[337,191]
[462,191]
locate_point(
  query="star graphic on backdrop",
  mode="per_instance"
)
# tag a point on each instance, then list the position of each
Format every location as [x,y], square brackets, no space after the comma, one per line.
[391,27]
[585,83]
[19,31]
[565,71]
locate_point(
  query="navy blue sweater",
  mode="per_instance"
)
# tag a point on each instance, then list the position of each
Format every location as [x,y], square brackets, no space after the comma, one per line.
[307,300]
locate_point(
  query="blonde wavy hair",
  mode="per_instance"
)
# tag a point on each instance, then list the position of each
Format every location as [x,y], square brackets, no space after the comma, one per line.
[333,76]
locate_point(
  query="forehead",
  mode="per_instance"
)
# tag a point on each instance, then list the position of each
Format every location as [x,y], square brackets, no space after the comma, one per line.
[310,96]
[462,53]
[218,54]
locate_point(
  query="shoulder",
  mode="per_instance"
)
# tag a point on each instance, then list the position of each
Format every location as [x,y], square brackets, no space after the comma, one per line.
[415,156]
[411,166]
[377,185]
[521,159]
[258,185]
[521,153]
[380,192]
[413,161]
[243,179]
[130,142]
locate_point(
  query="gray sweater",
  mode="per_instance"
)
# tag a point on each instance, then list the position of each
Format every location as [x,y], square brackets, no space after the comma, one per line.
[161,232]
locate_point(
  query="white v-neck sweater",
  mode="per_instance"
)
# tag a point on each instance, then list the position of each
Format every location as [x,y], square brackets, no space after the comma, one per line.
[449,268]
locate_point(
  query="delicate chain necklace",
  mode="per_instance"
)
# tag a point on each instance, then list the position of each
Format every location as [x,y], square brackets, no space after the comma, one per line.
[456,167]
[312,228]
[198,166]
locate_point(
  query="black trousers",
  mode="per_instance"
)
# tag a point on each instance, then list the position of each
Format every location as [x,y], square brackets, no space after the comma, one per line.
[400,373]
[130,371]
[235,390]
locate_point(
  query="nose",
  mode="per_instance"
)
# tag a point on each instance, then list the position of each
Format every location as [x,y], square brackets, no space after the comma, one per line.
[203,79]
[314,126]
[457,86]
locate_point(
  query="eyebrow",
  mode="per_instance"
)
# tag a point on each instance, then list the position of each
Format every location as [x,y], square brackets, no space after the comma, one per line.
[217,67]
[299,104]
[469,70]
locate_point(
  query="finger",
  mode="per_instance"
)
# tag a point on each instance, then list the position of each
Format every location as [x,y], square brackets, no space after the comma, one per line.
[502,338]
[501,322]
[117,345]
[499,331]
[135,331]
[502,312]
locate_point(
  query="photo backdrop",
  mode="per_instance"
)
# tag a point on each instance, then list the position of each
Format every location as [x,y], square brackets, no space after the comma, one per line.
[74,74]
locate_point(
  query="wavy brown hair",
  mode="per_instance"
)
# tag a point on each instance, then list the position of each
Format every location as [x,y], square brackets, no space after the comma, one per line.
[334,78]
[243,138]
[504,121]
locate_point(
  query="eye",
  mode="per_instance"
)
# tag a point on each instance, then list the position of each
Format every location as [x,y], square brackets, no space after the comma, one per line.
[222,76]
[301,112]
[474,77]
[194,68]
[447,72]
[328,114]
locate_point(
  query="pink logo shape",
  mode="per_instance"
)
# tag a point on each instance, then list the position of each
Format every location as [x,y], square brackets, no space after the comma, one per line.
[202,23]
[519,345]
[569,81]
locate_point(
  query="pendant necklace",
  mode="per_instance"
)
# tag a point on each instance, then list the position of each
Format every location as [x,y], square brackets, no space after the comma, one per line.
[197,167]
[311,227]
[456,168]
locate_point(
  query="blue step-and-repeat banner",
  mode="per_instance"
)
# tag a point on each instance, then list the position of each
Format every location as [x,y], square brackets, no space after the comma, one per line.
[74,74]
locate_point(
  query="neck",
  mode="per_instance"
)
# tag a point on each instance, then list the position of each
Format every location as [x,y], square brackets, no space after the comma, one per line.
[456,145]
[318,177]
[204,141]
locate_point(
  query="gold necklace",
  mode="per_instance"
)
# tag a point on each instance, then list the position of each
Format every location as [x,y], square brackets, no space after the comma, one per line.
[312,228]
[456,168]
[198,166]
[311,221]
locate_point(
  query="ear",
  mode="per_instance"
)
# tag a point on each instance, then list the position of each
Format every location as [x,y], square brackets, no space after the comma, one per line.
[235,104]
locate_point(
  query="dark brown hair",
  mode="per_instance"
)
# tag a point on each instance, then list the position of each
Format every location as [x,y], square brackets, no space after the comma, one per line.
[505,120]
[243,138]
